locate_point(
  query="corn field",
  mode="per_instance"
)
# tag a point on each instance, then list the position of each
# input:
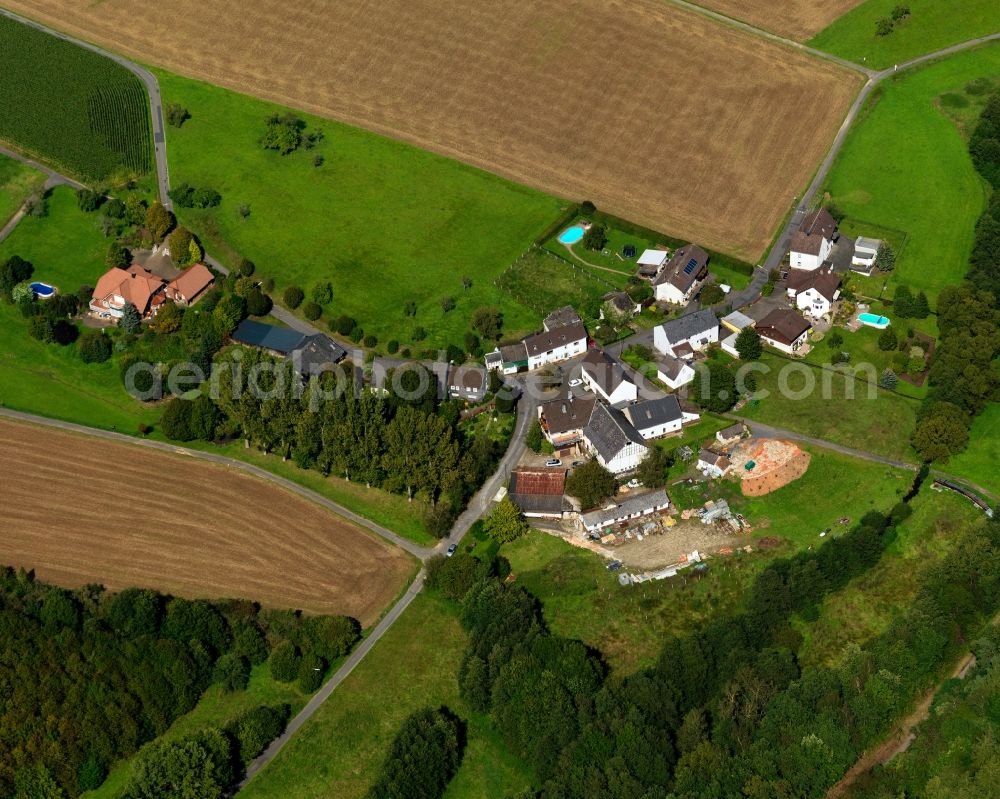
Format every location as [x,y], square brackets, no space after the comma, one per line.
[74,109]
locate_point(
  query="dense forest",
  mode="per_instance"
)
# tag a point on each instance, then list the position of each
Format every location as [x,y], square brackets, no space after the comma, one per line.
[87,677]
[411,446]
[727,711]
[956,753]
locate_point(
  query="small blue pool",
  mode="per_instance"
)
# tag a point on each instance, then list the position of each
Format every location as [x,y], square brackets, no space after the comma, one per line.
[874,320]
[43,290]
[571,235]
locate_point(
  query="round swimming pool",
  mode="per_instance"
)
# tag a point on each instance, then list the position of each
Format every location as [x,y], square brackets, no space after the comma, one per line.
[43,290]
[571,235]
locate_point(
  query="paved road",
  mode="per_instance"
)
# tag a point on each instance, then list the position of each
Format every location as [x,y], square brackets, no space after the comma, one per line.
[774,37]
[152,89]
[768,431]
[338,677]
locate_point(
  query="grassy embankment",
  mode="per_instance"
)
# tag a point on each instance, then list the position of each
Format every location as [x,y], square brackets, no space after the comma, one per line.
[867,606]
[932,25]
[17,182]
[340,749]
[384,222]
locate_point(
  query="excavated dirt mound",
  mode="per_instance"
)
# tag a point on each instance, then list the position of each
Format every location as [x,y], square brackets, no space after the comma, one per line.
[776,464]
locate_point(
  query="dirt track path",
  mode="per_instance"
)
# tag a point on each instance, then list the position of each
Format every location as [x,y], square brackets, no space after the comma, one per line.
[901,738]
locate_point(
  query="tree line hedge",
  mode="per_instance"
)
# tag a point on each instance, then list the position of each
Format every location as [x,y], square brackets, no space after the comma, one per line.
[701,706]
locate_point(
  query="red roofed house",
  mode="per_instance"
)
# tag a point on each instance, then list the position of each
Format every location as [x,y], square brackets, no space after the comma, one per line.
[135,285]
[189,286]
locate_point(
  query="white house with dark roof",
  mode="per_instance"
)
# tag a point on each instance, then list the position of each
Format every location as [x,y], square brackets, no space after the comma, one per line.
[607,378]
[654,418]
[558,344]
[813,241]
[679,277]
[815,291]
[687,334]
[564,419]
[467,383]
[673,371]
[784,329]
[712,463]
[613,440]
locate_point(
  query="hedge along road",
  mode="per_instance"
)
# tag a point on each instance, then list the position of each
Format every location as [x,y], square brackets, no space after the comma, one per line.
[152,91]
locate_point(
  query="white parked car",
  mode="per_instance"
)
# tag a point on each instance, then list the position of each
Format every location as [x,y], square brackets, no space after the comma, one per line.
[553,462]
[576,381]
[633,483]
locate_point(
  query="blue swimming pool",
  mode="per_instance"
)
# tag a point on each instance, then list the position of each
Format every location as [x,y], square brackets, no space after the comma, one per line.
[571,235]
[874,320]
[43,290]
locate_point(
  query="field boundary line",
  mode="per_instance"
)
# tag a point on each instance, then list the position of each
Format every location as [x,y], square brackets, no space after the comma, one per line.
[223,460]
[149,82]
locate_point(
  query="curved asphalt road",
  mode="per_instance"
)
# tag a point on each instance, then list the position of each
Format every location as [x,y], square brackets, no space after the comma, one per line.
[481,501]
[155,104]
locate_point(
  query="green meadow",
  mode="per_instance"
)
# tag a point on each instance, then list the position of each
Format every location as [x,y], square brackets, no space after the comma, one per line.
[932,25]
[905,167]
[980,462]
[384,222]
[17,181]
[414,665]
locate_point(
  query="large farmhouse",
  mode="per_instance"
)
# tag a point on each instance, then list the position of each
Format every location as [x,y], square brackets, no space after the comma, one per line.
[814,292]
[613,441]
[120,287]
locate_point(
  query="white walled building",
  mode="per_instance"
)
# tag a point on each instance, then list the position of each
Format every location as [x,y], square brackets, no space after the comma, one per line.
[697,330]
[558,344]
[613,441]
[813,241]
[606,377]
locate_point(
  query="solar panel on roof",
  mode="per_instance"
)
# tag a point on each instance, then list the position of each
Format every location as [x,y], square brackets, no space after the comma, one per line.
[690,266]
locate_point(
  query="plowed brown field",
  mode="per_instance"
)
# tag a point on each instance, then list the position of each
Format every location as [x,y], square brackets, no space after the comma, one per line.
[81,510]
[653,112]
[795,19]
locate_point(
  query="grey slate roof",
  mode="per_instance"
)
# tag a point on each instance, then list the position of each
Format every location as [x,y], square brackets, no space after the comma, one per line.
[654,412]
[609,432]
[547,340]
[643,503]
[670,366]
[561,317]
[690,326]
[620,301]
[738,320]
[568,413]
[316,354]
[605,371]
[513,353]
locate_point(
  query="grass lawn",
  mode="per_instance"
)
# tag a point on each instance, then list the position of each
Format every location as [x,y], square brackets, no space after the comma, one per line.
[543,282]
[216,708]
[17,181]
[867,605]
[581,599]
[863,347]
[694,435]
[67,250]
[932,25]
[921,185]
[339,751]
[833,487]
[389,510]
[980,462]
[384,222]
[611,256]
[882,424]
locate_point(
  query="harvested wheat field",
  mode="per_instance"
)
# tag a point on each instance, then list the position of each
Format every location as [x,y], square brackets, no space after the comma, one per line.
[794,19]
[655,113]
[776,464]
[81,510]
